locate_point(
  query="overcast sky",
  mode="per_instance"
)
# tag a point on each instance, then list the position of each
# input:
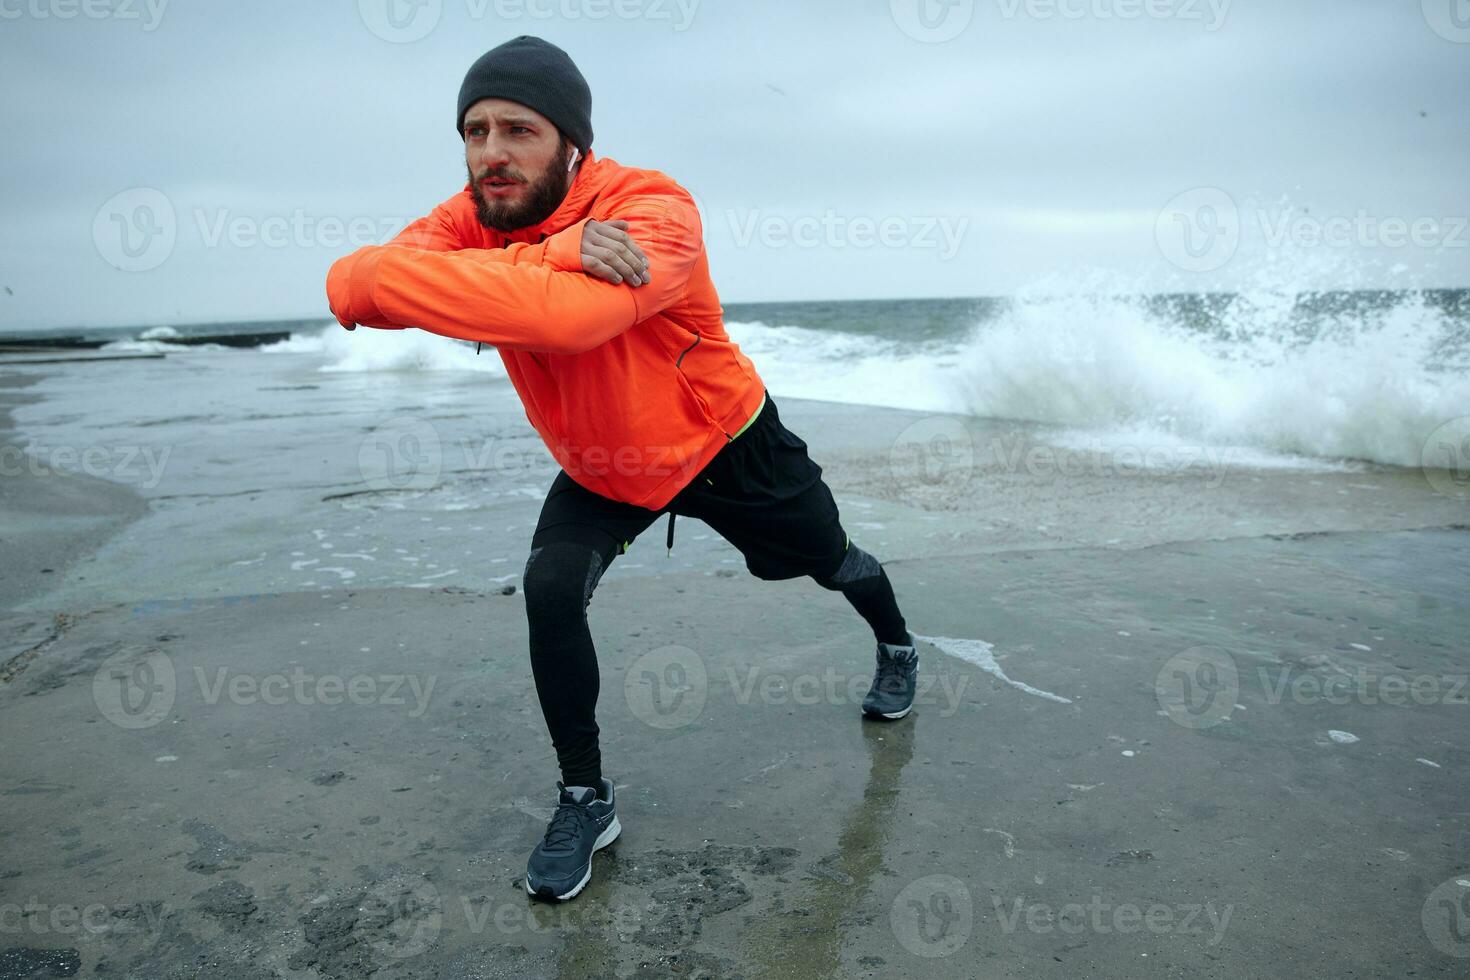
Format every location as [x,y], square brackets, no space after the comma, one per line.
[196,160]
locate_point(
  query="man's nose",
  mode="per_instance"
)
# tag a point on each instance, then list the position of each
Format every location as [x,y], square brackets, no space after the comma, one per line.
[493,155]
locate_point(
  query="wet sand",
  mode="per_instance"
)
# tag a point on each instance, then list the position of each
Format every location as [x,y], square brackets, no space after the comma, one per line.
[1193,723]
[51,519]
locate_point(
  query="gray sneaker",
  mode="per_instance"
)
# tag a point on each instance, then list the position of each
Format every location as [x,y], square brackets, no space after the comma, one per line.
[895,679]
[561,865]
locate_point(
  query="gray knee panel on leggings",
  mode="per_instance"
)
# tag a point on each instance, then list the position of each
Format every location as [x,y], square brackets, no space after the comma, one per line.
[856,566]
[552,567]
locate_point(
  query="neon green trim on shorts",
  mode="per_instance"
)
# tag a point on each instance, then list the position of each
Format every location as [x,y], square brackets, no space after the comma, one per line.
[752,416]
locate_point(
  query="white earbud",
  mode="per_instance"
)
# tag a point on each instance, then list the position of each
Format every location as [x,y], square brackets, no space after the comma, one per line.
[573,161]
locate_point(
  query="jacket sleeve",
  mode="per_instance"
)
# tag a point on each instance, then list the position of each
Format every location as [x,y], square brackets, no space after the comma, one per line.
[527,300]
[435,232]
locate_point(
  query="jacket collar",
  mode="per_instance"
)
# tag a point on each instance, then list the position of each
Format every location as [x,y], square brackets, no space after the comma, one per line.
[592,176]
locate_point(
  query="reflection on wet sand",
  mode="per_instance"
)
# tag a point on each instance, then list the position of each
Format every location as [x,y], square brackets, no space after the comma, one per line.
[805,938]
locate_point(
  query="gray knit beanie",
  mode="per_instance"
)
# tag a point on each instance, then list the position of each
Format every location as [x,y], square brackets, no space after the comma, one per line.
[535,73]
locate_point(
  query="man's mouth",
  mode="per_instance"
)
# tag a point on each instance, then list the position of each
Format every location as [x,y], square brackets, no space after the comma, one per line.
[499,185]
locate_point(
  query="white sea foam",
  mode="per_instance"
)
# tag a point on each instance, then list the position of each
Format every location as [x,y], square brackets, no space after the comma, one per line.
[1114,370]
[369,349]
[981,654]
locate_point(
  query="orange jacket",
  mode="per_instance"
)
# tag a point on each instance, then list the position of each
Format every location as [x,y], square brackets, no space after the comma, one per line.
[633,389]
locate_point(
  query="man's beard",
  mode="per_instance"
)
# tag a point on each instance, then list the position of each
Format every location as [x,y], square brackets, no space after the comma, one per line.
[543,196]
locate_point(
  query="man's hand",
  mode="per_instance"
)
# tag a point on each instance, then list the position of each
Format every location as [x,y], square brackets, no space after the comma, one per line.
[608,253]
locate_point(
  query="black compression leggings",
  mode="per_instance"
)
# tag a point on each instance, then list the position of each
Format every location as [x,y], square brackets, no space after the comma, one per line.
[564,567]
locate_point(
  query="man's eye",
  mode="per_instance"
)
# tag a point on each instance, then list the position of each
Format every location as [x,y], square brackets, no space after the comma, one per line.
[521,129]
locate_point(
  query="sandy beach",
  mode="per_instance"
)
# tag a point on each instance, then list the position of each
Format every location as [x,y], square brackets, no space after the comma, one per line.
[267,709]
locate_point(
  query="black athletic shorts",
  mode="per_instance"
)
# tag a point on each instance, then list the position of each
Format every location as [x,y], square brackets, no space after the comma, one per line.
[761,492]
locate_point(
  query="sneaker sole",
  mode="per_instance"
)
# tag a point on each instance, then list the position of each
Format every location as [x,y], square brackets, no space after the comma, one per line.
[890,716]
[603,839]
